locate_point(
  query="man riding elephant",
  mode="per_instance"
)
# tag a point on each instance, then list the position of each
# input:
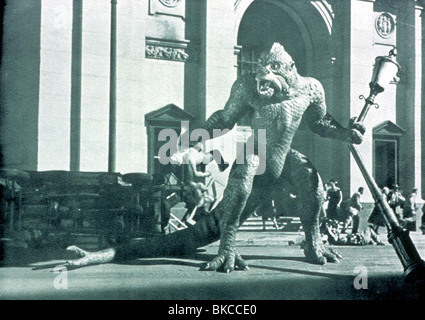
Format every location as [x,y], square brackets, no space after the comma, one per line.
[276,99]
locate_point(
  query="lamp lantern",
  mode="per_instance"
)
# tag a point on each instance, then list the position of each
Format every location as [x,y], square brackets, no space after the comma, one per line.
[384,71]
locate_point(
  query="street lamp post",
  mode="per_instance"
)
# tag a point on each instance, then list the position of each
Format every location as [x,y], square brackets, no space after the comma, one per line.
[112,90]
[384,72]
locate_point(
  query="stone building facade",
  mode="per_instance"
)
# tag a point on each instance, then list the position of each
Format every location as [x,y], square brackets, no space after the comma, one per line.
[83,82]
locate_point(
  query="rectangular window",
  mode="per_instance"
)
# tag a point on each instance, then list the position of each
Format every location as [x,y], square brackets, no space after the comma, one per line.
[247,64]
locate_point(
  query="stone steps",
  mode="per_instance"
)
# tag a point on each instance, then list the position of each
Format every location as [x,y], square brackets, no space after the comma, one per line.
[286,224]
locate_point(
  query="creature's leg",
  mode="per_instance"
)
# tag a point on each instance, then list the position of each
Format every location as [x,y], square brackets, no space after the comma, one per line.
[307,185]
[230,209]
[254,201]
[256,198]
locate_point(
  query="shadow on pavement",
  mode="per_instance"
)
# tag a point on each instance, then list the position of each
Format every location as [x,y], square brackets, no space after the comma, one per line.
[289,283]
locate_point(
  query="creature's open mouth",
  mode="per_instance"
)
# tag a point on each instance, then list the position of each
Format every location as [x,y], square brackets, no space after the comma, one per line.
[265,88]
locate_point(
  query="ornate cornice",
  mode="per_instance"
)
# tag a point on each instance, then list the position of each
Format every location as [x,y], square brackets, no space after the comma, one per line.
[165,53]
[171,8]
[169,50]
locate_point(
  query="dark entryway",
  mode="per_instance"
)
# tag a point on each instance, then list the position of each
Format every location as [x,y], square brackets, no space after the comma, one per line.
[386,162]
[386,142]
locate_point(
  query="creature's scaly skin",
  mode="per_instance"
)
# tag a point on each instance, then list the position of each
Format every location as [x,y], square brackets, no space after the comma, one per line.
[230,209]
[277,98]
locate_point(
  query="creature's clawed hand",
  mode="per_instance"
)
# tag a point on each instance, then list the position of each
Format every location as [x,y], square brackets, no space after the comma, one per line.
[357,130]
[320,254]
[227,261]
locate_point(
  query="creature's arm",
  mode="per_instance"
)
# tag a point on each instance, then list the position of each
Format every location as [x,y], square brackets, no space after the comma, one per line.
[233,111]
[324,124]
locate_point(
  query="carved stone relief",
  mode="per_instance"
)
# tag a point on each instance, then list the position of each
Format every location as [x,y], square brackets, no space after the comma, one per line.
[169,50]
[385,25]
[174,8]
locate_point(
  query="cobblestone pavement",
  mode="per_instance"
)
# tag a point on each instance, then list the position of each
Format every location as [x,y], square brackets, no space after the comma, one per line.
[277,271]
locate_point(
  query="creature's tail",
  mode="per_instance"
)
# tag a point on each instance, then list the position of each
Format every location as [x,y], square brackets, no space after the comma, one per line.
[207,229]
[204,232]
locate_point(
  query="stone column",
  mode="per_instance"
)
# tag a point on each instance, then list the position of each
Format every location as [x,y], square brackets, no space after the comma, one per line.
[217,70]
[19,82]
[55,85]
[422,22]
[217,53]
[409,94]
[77,39]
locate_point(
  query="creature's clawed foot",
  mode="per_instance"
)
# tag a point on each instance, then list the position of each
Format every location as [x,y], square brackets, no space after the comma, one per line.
[320,254]
[227,262]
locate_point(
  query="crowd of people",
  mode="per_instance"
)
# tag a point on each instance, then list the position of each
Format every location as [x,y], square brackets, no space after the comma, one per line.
[404,208]
[340,215]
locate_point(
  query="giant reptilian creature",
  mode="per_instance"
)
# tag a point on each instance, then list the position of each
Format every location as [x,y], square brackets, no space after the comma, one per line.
[276,99]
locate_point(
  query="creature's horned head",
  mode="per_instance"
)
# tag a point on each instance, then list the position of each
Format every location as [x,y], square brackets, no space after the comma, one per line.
[276,72]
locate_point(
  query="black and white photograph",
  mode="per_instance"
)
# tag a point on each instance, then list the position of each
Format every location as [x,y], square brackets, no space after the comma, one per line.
[213,156]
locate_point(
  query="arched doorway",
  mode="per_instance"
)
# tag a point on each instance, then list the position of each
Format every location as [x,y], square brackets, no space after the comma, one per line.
[262,24]
[311,33]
